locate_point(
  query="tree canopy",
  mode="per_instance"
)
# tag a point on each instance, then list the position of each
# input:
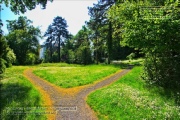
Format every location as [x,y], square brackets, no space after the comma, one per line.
[57,31]
[153,28]
[21,6]
[23,39]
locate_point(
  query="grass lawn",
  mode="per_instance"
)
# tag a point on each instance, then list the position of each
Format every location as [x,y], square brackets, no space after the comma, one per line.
[130,99]
[67,76]
[18,94]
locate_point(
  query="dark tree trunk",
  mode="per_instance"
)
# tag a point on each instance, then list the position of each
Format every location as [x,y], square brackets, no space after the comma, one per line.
[51,51]
[59,43]
[96,50]
[109,42]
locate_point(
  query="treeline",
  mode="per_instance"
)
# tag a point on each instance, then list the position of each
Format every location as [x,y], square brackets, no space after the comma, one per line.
[97,41]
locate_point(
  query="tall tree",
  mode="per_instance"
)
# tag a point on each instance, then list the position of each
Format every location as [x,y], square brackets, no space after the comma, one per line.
[49,41]
[98,20]
[59,26]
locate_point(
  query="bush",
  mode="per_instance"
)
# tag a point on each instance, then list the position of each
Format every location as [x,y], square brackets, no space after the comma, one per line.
[7,56]
[2,65]
[10,57]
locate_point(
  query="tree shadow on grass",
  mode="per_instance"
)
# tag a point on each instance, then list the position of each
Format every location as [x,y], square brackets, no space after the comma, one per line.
[15,97]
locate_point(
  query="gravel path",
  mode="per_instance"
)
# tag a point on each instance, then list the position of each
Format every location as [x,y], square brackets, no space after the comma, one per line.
[69,103]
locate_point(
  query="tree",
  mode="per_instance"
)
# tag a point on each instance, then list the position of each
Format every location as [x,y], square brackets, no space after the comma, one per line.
[155,32]
[22,23]
[49,41]
[68,49]
[7,56]
[82,45]
[22,6]
[98,20]
[60,31]
[23,39]
[3,49]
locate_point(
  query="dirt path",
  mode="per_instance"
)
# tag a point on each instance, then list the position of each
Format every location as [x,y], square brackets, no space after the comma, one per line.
[69,103]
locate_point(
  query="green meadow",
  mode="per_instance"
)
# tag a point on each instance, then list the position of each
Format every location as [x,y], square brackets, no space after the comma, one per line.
[128,98]
[19,98]
[67,76]
[131,99]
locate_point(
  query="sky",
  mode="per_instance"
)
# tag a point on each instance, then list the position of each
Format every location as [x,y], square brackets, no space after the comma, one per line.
[75,12]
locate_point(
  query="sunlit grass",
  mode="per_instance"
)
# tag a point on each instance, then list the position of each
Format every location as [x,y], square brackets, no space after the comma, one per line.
[18,94]
[57,65]
[129,98]
[74,75]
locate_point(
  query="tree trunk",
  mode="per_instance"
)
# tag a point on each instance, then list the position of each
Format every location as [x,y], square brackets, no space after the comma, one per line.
[51,51]
[59,43]
[96,50]
[109,43]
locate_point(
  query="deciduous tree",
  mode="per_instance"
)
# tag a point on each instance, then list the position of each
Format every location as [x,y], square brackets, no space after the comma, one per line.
[21,6]
[23,39]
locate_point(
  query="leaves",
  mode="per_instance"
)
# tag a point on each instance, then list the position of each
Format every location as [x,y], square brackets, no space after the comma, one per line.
[55,33]
[153,28]
[21,6]
[23,39]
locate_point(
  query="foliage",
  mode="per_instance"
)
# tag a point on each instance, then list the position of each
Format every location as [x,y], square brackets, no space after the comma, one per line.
[2,66]
[3,47]
[24,5]
[57,32]
[83,55]
[49,43]
[23,39]
[71,56]
[154,31]
[7,56]
[82,45]
[104,35]
[22,23]
[68,76]
[130,98]
[101,27]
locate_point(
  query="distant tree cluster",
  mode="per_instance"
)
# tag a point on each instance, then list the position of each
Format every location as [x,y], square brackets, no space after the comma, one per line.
[23,39]
[61,46]
[96,42]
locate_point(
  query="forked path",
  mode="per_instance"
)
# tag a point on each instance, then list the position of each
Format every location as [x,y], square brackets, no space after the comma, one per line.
[69,103]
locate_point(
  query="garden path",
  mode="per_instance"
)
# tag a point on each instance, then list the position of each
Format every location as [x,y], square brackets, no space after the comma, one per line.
[69,103]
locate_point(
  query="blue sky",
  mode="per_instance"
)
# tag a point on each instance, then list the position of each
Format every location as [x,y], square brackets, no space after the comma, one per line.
[74,11]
